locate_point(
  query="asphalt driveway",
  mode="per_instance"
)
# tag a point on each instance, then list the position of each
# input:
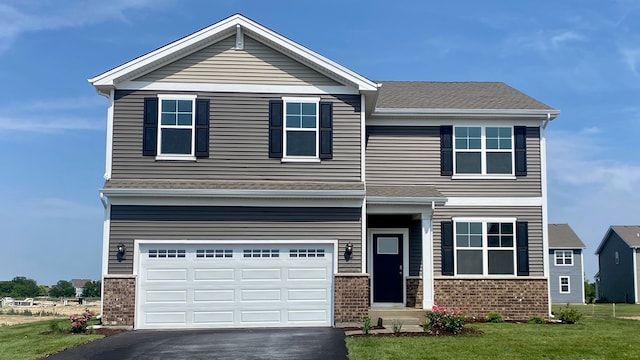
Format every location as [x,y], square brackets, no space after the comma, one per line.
[272,344]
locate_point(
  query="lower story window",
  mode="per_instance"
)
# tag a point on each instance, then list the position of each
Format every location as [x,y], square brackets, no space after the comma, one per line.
[484,247]
[564,285]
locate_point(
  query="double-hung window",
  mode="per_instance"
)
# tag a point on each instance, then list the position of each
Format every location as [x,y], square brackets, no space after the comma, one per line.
[564,257]
[565,287]
[485,247]
[301,133]
[483,150]
[176,130]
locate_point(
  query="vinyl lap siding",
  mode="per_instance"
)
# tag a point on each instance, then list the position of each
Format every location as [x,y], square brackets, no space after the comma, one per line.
[221,63]
[574,273]
[616,280]
[410,155]
[238,142]
[531,214]
[233,224]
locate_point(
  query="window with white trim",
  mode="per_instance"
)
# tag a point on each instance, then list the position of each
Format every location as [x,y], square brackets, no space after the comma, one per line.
[484,247]
[301,127]
[481,150]
[565,287]
[176,130]
[563,257]
[167,253]
[261,253]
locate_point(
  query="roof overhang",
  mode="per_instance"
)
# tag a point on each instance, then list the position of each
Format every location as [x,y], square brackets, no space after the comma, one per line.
[218,31]
[537,114]
[253,194]
[386,200]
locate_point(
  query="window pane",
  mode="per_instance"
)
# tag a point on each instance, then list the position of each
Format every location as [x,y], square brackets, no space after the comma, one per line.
[293,109]
[475,240]
[461,143]
[493,241]
[309,109]
[474,132]
[507,241]
[492,132]
[184,106]
[184,119]
[168,105]
[293,121]
[301,143]
[168,119]
[469,163]
[475,228]
[505,132]
[176,141]
[505,144]
[493,228]
[462,241]
[462,132]
[499,163]
[469,262]
[462,227]
[474,144]
[309,122]
[492,144]
[500,262]
[506,228]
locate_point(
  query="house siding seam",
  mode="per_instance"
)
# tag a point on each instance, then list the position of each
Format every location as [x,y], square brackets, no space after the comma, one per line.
[233,223]
[351,297]
[221,63]
[238,142]
[574,273]
[531,214]
[410,155]
[119,301]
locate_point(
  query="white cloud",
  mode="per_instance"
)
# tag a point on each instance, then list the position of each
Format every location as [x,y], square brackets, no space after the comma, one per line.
[556,40]
[631,57]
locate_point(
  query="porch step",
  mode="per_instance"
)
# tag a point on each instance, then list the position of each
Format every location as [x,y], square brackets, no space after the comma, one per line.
[408,316]
[404,320]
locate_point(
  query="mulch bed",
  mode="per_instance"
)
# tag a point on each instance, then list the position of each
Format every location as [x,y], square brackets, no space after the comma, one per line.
[464,331]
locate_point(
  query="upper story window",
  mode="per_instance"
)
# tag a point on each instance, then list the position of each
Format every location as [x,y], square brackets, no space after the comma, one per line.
[564,257]
[176,133]
[485,247]
[483,150]
[301,127]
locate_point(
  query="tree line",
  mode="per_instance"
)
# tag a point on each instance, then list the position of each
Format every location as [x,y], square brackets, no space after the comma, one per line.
[22,287]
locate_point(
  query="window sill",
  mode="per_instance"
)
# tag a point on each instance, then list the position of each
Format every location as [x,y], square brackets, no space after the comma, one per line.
[483,177]
[300,159]
[176,158]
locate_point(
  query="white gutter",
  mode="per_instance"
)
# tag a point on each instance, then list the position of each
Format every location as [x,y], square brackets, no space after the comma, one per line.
[281,194]
[479,113]
[404,200]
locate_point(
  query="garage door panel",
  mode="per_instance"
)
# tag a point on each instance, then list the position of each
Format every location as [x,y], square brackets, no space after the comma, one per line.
[260,295]
[260,317]
[213,317]
[307,274]
[307,316]
[261,274]
[213,296]
[166,318]
[166,296]
[214,274]
[307,295]
[166,274]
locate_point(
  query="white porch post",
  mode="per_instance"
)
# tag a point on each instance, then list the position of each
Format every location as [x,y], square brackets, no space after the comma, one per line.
[427,260]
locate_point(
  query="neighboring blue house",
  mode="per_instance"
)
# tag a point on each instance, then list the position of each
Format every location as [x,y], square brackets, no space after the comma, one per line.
[566,272]
[618,262]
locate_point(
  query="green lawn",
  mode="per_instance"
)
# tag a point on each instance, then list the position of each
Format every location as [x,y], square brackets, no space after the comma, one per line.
[592,338]
[605,310]
[26,341]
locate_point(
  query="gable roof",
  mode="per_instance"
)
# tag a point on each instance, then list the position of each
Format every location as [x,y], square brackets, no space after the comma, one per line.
[218,31]
[630,234]
[561,236]
[79,283]
[431,97]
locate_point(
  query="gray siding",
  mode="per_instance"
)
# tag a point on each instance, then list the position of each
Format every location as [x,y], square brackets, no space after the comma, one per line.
[233,224]
[238,142]
[415,236]
[221,63]
[574,273]
[531,214]
[410,155]
[616,280]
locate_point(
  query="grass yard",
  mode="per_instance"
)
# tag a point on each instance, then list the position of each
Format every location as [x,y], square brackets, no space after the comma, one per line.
[605,310]
[592,338]
[26,341]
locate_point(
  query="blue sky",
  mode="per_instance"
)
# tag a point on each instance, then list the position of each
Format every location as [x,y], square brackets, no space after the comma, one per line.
[579,56]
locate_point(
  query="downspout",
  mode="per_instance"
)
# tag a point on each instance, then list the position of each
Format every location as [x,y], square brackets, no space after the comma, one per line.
[106,227]
[545,216]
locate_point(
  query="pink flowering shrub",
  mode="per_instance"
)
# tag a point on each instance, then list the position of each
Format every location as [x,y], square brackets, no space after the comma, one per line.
[440,319]
[79,323]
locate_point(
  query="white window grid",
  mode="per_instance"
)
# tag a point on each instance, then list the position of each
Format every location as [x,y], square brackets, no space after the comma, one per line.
[565,285]
[484,248]
[261,253]
[303,100]
[214,253]
[167,253]
[563,257]
[483,150]
[191,127]
[306,253]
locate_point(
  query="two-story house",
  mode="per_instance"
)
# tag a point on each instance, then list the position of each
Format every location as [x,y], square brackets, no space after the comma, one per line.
[566,269]
[253,182]
[619,265]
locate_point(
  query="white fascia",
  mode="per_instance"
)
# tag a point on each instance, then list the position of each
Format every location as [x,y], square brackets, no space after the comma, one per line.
[495,201]
[204,38]
[109,141]
[384,200]
[363,139]
[269,194]
[239,88]
[467,113]
[545,216]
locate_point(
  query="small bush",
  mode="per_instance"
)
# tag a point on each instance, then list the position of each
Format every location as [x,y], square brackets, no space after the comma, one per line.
[441,319]
[366,325]
[536,319]
[56,326]
[494,317]
[396,326]
[569,315]
[79,323]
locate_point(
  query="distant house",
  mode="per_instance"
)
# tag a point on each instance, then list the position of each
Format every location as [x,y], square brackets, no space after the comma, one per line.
[566,270]
[79,284]
[618,264]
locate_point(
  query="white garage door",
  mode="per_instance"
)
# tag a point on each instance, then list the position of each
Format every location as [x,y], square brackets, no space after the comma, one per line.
[218,286]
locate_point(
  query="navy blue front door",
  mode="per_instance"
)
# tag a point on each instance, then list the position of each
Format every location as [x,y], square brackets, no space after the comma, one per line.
[387,268]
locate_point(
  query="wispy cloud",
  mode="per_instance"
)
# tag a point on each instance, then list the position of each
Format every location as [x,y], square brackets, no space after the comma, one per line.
[631,57]
[543,41]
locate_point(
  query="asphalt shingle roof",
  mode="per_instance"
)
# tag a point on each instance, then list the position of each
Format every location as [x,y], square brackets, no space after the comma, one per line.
[454,95]
[561,236]
[630,234]
[229,185]
[404,191]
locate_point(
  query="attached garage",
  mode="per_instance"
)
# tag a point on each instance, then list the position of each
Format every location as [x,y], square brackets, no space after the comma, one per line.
[234,285]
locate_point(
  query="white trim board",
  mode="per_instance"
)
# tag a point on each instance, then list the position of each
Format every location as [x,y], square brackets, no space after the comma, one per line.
[495,201]
[238,88]
[234,201]
[405,262]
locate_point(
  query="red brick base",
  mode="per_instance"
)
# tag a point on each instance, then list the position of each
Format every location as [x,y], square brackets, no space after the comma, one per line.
[119,301]
[515,299]
[351,297]
[414,293]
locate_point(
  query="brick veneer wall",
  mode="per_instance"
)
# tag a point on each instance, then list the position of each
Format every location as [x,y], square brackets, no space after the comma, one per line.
[414,293]
[119,299]
[515,299]
[351,297]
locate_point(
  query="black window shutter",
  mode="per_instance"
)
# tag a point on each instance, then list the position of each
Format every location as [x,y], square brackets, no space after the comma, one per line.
[150,127]
[446,150]
[520,134]
[326,131]
[522,247]
[275,129]
[446,230]
[202,128]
